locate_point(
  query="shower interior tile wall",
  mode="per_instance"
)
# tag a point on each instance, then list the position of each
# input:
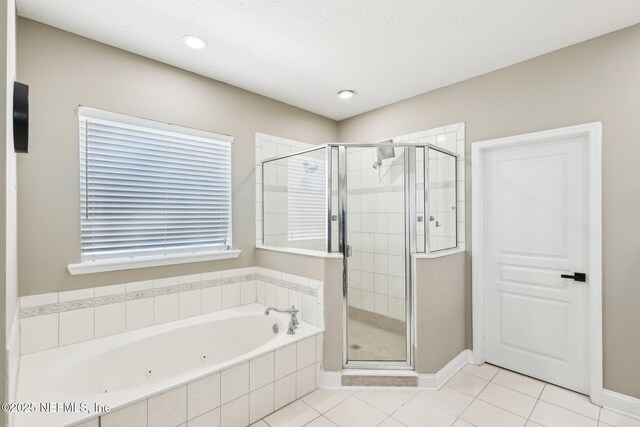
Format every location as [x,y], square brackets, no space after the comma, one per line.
[446,189]
[375,221]
[375,217]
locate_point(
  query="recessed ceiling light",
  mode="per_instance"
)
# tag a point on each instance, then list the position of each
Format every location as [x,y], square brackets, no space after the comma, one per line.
[346,94]
[194,42]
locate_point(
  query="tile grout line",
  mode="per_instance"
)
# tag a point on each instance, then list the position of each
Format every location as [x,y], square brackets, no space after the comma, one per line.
[567,409]
[476,396]
[405,403]
[536,404]
[537,398]
[571,410]
[337,404]
[517,391]
[409,400]
[534,408]
[512,389]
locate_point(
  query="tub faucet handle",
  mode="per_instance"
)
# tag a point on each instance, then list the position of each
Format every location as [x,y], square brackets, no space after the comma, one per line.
[293,321]
[294,317]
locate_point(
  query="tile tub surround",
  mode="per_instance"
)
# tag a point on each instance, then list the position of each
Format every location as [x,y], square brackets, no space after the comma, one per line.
[57,319]
[277,289]
[237,396]
[235,391]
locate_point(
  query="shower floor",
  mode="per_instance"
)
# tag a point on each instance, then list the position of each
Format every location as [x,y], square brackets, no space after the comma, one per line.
[367,342]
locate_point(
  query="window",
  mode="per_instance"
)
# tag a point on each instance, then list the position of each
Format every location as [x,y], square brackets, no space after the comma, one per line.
[151,189]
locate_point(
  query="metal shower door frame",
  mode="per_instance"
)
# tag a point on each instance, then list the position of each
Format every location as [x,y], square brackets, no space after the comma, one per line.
[409,197]
[410,204]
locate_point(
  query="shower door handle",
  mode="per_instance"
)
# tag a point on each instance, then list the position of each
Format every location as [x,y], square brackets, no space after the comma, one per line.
[348,251]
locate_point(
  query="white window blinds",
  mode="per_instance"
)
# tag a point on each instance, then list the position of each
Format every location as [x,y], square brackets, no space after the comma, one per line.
[306,200]
[150,188]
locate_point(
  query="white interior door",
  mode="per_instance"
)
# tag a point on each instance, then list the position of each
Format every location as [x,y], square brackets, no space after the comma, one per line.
[535,230]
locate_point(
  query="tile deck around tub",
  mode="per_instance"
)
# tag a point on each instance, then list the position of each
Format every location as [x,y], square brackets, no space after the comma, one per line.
[481,396]
[57,319]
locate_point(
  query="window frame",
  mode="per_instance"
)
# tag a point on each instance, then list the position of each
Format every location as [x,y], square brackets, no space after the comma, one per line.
[174,256]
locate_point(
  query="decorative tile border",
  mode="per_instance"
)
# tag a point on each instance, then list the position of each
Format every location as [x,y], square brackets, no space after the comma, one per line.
[308,290]
[277,289]
[129,296]
[370,190]
[394,188]
[57,319]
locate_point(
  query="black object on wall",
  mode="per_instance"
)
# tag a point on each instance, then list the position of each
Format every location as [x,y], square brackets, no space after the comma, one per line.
[20,117]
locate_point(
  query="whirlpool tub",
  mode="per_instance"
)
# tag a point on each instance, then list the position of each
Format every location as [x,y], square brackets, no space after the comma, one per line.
[140,375]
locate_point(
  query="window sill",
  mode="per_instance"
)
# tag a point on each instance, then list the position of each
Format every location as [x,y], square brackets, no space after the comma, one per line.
[100,266]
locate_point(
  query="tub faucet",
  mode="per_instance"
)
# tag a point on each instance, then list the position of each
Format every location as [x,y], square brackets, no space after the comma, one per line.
[293,322]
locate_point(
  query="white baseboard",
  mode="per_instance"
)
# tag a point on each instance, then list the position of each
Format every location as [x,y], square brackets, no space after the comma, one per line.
[427,381]
[331,379]
[440,378]
[621,403]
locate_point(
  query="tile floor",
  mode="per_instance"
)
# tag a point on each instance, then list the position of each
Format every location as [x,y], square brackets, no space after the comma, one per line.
[476,396]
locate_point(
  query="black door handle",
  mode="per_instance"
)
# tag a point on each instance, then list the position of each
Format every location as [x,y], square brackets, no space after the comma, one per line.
[578,277]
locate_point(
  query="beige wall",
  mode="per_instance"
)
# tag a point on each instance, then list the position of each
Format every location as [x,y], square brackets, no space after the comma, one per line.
[299,265]
[64,71]
[333,335]
[440,318]
[598,80]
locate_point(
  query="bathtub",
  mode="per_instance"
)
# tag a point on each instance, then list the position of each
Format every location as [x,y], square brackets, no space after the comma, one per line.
[126,368]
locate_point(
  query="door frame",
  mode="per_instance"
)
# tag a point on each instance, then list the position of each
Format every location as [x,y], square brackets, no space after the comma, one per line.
[593,132]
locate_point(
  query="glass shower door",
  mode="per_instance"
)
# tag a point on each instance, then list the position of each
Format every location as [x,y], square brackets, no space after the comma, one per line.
[376,290]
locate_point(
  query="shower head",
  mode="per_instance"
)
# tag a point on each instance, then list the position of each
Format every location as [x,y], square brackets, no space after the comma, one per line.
[384,153]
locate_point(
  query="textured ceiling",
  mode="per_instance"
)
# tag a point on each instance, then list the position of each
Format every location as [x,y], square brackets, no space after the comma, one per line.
[303,52]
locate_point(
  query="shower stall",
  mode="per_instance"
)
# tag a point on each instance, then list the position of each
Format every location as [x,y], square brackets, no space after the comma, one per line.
[377,204]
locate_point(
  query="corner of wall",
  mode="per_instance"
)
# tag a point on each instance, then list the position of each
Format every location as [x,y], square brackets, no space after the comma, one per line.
[8,205]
